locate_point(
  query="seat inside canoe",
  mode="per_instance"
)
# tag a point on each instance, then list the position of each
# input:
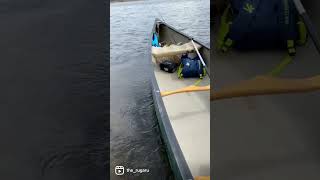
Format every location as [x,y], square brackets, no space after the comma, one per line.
[173,49]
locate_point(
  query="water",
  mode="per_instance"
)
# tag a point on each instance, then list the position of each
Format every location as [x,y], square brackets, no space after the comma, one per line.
[54,90]
[135,136]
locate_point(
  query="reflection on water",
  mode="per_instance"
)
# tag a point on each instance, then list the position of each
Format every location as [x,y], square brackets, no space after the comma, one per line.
[135,136]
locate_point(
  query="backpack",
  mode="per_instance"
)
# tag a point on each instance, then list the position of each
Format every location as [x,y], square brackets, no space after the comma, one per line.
[191,67]
[252,24]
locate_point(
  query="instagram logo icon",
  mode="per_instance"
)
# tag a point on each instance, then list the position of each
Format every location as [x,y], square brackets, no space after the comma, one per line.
[119,170]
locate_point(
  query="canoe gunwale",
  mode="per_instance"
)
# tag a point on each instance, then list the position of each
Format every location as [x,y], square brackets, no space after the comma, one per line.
[158,21]
[177,160]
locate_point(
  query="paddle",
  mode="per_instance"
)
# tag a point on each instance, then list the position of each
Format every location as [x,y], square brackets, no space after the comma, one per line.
[202,61]
[310,27]
[267,85]
[191,88]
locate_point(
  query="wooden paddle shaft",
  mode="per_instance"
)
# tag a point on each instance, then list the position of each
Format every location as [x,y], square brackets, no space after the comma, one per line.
[195,47]
[266,85]
[191,88]
[202,61]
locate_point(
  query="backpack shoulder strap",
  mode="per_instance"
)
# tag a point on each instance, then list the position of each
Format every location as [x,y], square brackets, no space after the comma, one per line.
[224,28]
[288,20]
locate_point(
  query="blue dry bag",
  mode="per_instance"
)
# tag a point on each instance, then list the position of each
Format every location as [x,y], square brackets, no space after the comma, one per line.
[191,68]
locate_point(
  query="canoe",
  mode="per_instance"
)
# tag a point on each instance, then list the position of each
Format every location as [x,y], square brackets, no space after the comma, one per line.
[270,136]
[184,118]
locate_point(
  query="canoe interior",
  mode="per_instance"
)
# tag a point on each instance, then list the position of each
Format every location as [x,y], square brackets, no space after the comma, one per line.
[170,35]
[282,130]
[188,113]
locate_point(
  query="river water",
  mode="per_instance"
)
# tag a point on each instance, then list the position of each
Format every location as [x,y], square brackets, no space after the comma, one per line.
[135,136]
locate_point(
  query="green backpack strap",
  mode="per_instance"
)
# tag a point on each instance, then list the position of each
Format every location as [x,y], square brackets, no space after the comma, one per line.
[276,71]
[223,44]
[302,38]
[179,72]
[291,47]
[303,34]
